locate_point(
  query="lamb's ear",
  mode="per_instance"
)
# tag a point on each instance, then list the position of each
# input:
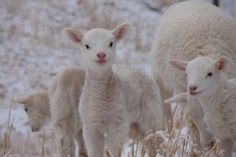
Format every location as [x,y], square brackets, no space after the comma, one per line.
[178,64]
[23,100]
[120,31]
[182,97]
[221,63]
[74,35]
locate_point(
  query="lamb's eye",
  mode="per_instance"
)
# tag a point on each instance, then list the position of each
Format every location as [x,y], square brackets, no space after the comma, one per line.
[26,109]
[87,46]
[111,44]
[209,74]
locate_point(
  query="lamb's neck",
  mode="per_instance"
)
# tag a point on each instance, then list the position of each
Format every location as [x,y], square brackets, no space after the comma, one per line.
[100,79]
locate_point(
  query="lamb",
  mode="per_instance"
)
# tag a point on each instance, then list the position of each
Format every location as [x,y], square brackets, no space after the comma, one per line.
[142,99]
[185,31]
[217,95]
[108,95]
[142,103]
[64,94]
[63,97]
[36,106]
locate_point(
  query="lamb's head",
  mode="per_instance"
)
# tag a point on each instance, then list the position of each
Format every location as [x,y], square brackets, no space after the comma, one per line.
[36,107]
[98,45]
[204,75]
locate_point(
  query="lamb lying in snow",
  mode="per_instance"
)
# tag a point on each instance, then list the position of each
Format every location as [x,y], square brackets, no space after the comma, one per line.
[110,102]
[217,96]
[64,95]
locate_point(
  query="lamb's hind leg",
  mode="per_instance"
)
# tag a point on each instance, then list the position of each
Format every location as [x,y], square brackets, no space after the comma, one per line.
[94,141]
[64,141]
[80,140]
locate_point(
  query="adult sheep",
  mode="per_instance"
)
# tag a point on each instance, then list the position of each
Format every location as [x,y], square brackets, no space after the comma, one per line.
[185,31]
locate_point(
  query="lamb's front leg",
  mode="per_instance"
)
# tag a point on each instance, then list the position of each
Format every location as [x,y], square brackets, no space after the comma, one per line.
[227,146]
[116,137]
[205,135]
[196,113]
[94,141]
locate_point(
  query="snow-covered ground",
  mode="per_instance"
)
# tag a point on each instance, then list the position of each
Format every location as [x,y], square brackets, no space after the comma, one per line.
[33,46]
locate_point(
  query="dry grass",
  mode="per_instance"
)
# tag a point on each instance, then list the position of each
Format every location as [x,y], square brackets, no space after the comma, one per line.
[168,143]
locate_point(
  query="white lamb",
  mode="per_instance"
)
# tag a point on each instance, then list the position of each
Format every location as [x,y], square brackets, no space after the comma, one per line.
[64,97]
[217,95]
[185,31]
[112,101]
[62,112]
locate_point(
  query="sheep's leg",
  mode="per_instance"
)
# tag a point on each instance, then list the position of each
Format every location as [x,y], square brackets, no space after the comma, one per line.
[94,141]
[196,113]
[227,146]
[64,142]
[80,140]
[115,138]
[194,110]
[164,94]
[205,135]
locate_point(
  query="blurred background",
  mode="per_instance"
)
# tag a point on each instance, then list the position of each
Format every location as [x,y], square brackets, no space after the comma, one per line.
[33,46]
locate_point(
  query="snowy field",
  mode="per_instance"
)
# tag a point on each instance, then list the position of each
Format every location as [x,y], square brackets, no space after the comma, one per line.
[33,47]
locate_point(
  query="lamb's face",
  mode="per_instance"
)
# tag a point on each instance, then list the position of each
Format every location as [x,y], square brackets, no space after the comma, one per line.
[203,79]
[98,45]
[204,75]
[33,108]
[98,49]
[35,115]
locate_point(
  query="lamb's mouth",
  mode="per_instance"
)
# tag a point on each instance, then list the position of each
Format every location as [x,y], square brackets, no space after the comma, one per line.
[101,61]
[195,93]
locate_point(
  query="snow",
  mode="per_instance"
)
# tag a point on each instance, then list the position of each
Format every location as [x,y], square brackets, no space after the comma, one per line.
[34,46]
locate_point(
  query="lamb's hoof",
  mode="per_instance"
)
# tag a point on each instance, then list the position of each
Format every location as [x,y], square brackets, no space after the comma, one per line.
[83,155]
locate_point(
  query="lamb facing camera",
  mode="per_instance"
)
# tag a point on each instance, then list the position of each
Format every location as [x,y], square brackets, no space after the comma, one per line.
[113,102]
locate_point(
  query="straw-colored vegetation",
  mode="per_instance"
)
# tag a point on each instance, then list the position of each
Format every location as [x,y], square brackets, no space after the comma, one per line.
[175,141]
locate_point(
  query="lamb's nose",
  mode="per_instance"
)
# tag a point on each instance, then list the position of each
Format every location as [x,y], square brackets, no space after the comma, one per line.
[192,88]
[101,55]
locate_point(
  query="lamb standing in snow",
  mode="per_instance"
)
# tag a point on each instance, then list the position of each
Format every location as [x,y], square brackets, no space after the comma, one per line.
[64,98]
[108,95]
[185,31]
[102,104]
[217,95]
